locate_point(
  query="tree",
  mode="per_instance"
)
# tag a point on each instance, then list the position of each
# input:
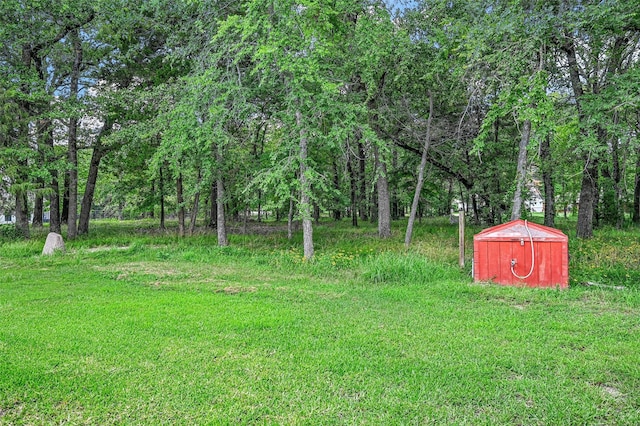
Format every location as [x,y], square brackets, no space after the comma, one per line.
[296,53]
[598,43]
[131,77]
[29,36]
[420,182]
[73,135]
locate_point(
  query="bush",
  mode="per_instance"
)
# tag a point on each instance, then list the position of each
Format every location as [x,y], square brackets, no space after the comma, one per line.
[10,233]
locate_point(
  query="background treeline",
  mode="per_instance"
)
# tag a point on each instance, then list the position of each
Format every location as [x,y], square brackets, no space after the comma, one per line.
[292,109]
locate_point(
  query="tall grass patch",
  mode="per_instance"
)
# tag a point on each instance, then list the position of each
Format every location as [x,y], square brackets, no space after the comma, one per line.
[407,268]
[611,257]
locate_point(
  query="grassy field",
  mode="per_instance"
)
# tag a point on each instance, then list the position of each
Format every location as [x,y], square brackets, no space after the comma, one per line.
[130,326]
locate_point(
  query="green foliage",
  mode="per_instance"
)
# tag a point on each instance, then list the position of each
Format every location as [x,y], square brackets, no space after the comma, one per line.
[10,233]
[184,81]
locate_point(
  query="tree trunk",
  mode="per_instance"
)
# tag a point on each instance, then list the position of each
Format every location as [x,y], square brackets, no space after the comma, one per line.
[382,178]
[213,206]
[372,201]
[290,219]
[617,183]
[65,198]
[384,205]
[22,213]
[196,203]
[447,208]
[194,213]
[353,180]
[635,217]
[420,182]
[151,213]
[90,188]
[161,188]
[180,201]
[38,208]
[521,170]
[362,198]
[395,205]
[476,213]
[316,213]
[121,205]
[588,200]
[220,217]
[22,209]
[245,220]
[549,191]
[54,196]
[337,209]
[38,205]
[589,189]
[72,229]
[305,193]
[490,203]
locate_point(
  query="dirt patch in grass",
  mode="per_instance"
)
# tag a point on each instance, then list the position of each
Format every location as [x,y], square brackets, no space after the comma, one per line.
[611,391]
[148,268]
[261,228]
[201,277]
[513,302]
[106,248]
[162,273]
[236,290]
[12,410]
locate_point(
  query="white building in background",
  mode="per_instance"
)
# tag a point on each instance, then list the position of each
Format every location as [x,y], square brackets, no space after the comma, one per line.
[535,201]
[6,218]
[7,205]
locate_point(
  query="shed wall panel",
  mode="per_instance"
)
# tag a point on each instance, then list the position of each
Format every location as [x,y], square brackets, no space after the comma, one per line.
[481,267]
[542,264]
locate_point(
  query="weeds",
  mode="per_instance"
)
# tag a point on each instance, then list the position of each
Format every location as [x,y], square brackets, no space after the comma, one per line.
[610,258]
[9,233]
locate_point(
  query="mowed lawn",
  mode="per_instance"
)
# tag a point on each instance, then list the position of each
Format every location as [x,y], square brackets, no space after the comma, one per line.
[133,328]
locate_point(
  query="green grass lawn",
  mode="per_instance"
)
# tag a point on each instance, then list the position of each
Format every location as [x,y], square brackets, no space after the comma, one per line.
[132,327]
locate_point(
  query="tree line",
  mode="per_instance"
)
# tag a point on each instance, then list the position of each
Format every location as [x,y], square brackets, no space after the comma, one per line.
[362,108]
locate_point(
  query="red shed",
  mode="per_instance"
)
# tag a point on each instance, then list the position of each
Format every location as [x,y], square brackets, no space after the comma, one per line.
[522,253]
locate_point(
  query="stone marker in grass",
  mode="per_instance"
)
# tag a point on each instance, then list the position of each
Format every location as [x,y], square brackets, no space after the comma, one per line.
[54,242]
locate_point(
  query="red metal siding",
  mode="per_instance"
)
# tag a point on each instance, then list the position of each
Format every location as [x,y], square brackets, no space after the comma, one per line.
[480,260]
[496,247]
[543,267]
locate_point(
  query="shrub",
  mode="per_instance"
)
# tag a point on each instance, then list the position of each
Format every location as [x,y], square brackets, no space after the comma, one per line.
[10,233]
